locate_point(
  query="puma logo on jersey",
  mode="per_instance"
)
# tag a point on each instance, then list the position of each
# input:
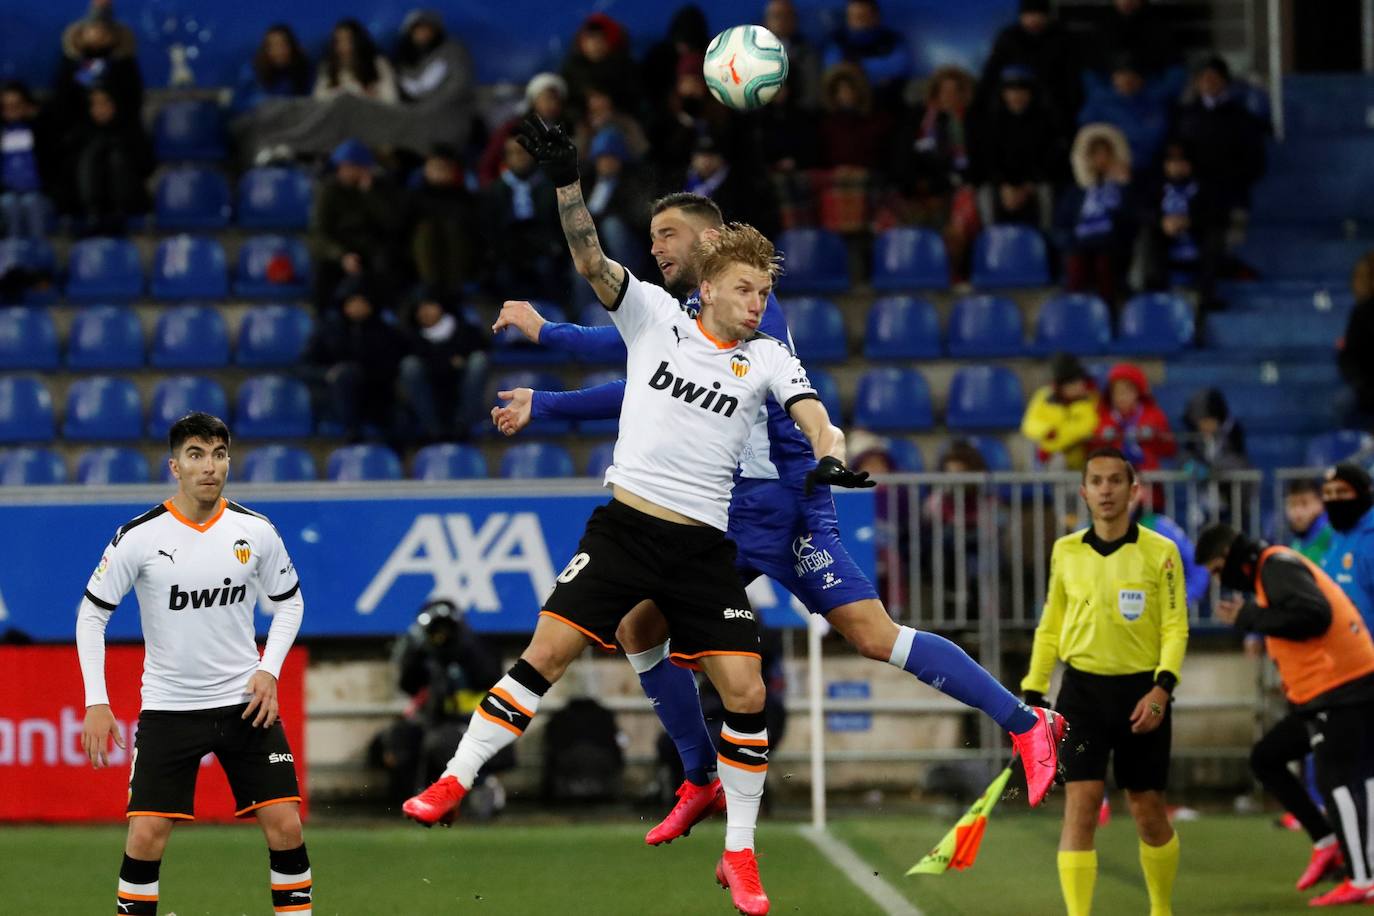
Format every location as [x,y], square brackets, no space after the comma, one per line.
[206,597]
[163,553]
[710,398]
[678,335]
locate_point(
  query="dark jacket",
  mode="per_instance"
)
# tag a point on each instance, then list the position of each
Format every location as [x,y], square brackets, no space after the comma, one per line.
[1226,450]
[119,76]
[375,345]
[446,357]
[1018,149]
[347,219]
[1143,36]
[1356,354]
[1227,144]
[1053,59]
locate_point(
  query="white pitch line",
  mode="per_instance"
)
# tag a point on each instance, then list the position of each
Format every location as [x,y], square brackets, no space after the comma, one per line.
[887,897]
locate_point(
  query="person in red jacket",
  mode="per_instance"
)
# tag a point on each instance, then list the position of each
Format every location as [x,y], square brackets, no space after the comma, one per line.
[1128,418]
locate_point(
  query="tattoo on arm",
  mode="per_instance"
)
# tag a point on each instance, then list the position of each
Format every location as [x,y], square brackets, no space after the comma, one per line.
[580,232]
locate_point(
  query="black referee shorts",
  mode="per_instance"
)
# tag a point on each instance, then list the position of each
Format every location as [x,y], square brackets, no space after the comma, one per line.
[1099,707]
[625,557]
[167,753]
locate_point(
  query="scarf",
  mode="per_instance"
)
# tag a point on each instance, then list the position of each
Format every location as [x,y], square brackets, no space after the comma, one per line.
[521,194]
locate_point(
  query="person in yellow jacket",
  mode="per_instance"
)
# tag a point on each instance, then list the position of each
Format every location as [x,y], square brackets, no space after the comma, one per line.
[1061,417]
[1116,614]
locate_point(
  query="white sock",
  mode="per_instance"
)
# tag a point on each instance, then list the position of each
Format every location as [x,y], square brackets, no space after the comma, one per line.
[649,659]
[502,716]
[1324,842]
[744,768]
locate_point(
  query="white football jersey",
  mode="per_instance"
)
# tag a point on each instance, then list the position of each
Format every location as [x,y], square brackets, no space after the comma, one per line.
[197,586]
[690,403]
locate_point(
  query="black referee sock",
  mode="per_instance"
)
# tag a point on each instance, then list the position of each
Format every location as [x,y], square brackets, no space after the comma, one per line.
[137,887]
[292,890]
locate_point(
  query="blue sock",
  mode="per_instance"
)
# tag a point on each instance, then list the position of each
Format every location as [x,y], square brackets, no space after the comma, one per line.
[946,667]
[673,691]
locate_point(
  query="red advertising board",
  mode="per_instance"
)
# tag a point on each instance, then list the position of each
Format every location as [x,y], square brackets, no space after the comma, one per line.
[44,772]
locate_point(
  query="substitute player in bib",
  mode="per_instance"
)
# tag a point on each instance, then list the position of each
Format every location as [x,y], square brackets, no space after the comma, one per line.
[198,564]
[1117,615]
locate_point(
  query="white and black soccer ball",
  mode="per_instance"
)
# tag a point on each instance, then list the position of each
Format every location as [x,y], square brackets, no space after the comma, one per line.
[745,67]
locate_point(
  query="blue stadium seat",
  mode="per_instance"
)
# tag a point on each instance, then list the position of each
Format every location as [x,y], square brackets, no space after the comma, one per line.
[25,410]
[1329,448]
[599,459]
[609,426]
[815,261]
[983,326]
[273,335]
[1154,323]
[910,258]
[103,407]
[28,339]
[189,131]
[355,463]
[273,407]
[257,254]
[539,381]
[992,448]
[36,256]
[902,327]
[1282,255]
[275,197]
[277,464]
[1268,451]
[817,329]
[906,456]
[191,198]
[534,460]
[829,391]
[104,269]
[105,337]
[1010,256]
[447,461]
[985,397]
[1073,323]
[892,399]
[1306,329]
[510,348]
[190,267]
[111,465]
[178,395]
[31,467]
[190,337]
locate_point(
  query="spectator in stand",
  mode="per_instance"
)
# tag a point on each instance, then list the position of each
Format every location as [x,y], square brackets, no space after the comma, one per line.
[357,354]
[853,132]
[1138,109]
[443,376]
[113,160]
[687,36]
[1041,47]
[1129,419]
[1225,138]
[98,62]
[1215,440]
[1137,29]
[785,137]
[279,70]
[601,114]
[546,94]
[1348,497]
[1098,219]
[881,52]
[28,155]
[353,66]
[357,227]
[442,216]
[618,199]
[526,254]
[803,59]
[125,44]
[1355,350]
[600,57]
[1015,155]
[1061,417]
[947,508]
[690,113]
[1310,531]
[431,65]
[1188,234]
[732,185]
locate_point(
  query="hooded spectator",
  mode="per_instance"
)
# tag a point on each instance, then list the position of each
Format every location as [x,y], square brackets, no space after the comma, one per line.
[1355,350]
[880,51]
[1015,153]
[358,353]
[1349,500]
[687,37]
[357,225]
[431,64]
[1038,44]
[443,214]
[853,132]
[28,154]
[600,56]
[601,114]
[352,65]
[803,59]
[1061,417]
[113,161]
[1139,110]
[279,69]
[98,62]
[125,44]
[1226,139]
[546,94]
[1098,220]
[1129,419]
[443,375]
[1216,440]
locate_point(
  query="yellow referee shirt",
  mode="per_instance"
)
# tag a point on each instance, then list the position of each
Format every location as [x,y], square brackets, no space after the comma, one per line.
[1112,608]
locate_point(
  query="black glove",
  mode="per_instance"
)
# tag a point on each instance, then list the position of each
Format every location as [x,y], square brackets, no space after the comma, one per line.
[832,472]
[550,147]
[1034,698]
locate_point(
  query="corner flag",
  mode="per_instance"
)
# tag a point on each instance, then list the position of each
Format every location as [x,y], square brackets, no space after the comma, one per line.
[959,847]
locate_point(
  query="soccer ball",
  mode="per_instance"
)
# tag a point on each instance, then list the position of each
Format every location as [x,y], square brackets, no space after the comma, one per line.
[745,67]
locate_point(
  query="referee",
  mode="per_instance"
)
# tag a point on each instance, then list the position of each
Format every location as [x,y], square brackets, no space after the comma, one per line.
[1116,615]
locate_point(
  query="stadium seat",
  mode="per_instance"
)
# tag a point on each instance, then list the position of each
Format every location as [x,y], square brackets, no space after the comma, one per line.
[272,267]
[103,407]
[599,459]
[983,326]
[189,131]
[906,456]
[190,267]
[273,335]
[111,465]
[829,391]
[1329,448]
[276,198]
[985,397]
[1010,256]
[448,461]
[31,467]
[608,426]
[1154,323]
[28,339]
[992,448]
[815,261]
[104,269]
[356,463]
[25,410]
[902,327]
[190,337]
[510,348]
[910,258]
[1073,323]
[539,381]
[534,460]
[277,464]
[105,337]
[191,198]
[273,407]
[36,256]
[893,399]
[175,397]
[1268,451]
[817,329]
[1275,332]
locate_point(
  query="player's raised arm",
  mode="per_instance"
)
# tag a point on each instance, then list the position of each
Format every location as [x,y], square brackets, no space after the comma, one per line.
[598,343]
[557,156]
